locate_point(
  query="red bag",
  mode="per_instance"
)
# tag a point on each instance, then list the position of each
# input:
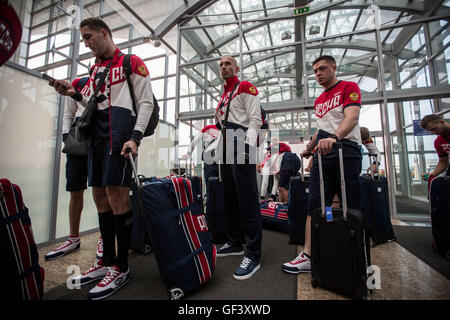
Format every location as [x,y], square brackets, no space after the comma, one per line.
[23,277]
[10,31]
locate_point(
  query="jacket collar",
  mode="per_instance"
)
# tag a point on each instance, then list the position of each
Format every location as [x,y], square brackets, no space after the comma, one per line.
[229,83]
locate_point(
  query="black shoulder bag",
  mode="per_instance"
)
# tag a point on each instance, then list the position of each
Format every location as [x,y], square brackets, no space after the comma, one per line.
[86,123]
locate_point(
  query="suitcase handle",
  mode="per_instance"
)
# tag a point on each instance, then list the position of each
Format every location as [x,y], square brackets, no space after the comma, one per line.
[343,191]
[133,165]
[375,156]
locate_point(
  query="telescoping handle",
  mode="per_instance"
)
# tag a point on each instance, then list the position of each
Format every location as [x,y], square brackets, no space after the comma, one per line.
[375,157]
[133,165]
[321,182]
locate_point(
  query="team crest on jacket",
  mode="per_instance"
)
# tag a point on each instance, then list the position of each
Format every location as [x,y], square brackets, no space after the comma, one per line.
[252,90]
[142,70]
[354,96]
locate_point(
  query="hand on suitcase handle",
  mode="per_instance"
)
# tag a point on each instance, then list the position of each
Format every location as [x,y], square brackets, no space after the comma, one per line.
[325,145]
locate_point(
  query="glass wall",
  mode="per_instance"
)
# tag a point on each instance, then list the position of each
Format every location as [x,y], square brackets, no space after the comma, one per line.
[28,122]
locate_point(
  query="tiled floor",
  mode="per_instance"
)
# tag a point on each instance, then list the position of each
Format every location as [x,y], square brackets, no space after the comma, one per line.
[403,276]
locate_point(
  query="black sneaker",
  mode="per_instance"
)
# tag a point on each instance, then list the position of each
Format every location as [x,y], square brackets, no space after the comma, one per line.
[247,268]
[229,250]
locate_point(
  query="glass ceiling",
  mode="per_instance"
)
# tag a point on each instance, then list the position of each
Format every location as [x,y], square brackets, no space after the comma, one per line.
[277,47]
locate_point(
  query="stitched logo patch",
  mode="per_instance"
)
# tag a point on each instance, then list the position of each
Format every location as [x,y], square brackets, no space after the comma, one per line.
[142,70]
[252,90]
[354,96]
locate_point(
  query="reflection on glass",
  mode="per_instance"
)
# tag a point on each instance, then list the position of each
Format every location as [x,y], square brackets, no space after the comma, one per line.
[28,117]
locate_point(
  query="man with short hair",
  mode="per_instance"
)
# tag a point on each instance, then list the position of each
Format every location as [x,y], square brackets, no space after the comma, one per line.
[76,179]
[436,125]
[239,179]
[117,128]
[337,111]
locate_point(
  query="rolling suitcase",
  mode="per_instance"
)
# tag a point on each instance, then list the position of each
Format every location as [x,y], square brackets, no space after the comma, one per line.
[139,241]
[215,211]
[172,214]
[23,277]
[375,207]
[298,207]
[274,215]
[440,215]
[340,249]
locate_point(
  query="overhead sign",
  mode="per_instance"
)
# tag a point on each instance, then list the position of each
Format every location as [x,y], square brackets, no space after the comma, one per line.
[301,10]
[419,131]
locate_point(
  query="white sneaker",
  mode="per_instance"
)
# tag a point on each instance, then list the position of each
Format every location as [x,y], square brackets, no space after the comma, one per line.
[112,282]
[96,272]
[71,245]
[300,264]
[99,254]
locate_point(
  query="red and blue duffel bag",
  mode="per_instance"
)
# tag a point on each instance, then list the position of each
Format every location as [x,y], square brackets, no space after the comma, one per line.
[274,215]
[23,278]
[173,217]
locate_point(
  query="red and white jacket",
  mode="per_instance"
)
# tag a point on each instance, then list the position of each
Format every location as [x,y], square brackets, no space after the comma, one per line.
[245,108]
[116,118]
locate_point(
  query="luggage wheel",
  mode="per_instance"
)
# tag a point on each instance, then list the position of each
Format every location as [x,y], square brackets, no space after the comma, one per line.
[146,250]
[176,293]
[314,283]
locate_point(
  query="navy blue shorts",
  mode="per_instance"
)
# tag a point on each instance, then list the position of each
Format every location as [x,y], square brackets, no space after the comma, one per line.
[285,177]
[332,182]
[105,169]
[76,172]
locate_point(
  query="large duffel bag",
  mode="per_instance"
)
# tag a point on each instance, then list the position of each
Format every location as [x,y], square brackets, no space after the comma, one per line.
[23,278]
[172,215]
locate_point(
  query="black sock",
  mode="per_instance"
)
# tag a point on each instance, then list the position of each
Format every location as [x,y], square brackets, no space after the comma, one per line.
[307,255]
[106,223]
[123,227]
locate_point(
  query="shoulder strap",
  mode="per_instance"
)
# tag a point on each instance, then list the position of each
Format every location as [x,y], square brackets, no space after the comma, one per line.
[228,105]
[102,80]
[127,70]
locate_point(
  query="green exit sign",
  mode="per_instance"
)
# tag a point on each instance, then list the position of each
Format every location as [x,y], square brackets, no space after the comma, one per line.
[301,10]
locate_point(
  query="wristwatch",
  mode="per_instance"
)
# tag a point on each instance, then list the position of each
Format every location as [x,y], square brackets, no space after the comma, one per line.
[138,142]
[334,137]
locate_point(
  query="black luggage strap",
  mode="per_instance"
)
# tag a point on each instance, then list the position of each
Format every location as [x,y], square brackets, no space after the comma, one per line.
[22,215]
[34,268]
[179,212]
[185,259]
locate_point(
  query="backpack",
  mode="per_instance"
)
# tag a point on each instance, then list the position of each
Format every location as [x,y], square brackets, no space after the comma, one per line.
[154,118]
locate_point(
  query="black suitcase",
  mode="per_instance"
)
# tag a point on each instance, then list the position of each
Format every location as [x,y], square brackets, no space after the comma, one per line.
[139,241]
[340,249]
[375,207]
[297,208]
[440,215]
[215,211]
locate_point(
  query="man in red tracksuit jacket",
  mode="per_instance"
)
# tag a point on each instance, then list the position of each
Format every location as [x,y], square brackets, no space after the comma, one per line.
[117,128]
[239,179]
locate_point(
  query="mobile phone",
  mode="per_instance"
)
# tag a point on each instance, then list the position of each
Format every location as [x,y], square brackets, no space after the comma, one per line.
[48,78]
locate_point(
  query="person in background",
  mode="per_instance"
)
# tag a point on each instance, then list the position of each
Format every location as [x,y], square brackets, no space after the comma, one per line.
[76,179]
[371,147]
[437,125]
[208,137]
